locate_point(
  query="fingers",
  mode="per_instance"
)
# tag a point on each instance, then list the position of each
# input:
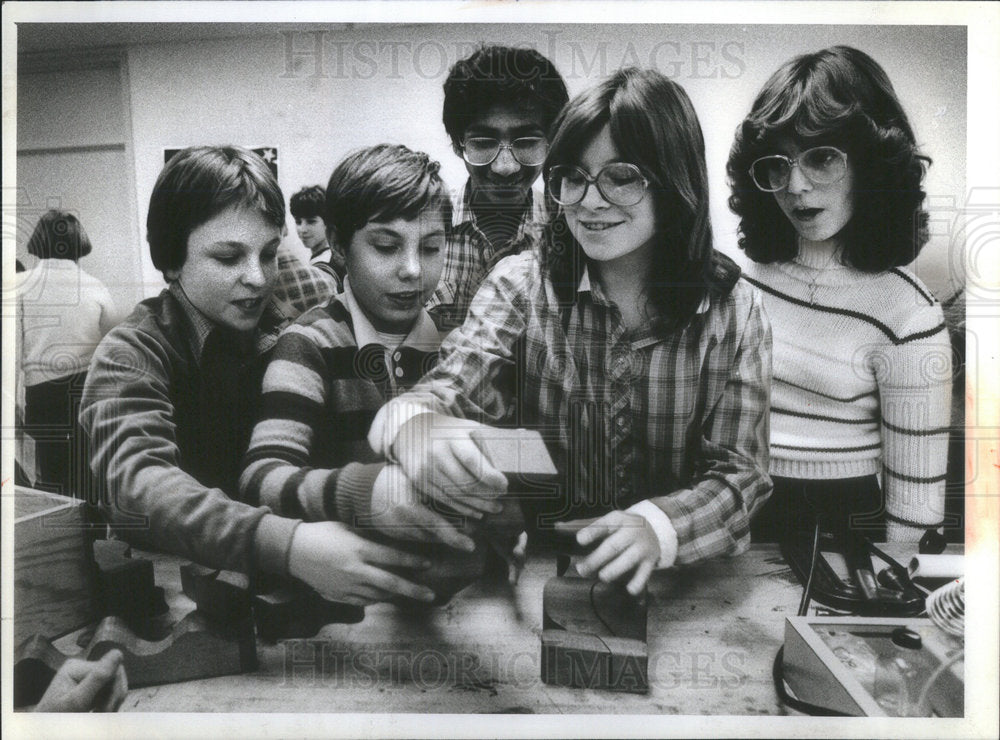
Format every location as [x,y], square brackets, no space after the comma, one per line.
[376,554]
[99,674]
[381,585]
[515,563]
[432,527]
[639,580]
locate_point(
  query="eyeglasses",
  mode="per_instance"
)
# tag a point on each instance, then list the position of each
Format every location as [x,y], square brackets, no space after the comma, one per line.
[822,165]
[529,151]
[619,183]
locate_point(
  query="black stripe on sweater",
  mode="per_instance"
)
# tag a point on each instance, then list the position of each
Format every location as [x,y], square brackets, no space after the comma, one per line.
[815,392]
[913,478]
[897,340]
[916,286]
[818,417]
[865,448]
[915,432]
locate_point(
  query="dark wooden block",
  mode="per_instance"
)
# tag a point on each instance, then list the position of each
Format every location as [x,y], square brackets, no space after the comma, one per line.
[125,585]
[53,585]
[36,661]
[585,661]
[296,611]
[594,636]
[196,648]
[221,595]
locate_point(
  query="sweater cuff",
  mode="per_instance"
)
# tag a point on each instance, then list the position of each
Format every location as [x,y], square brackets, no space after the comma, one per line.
[353,497]
[272,543]
[666,535]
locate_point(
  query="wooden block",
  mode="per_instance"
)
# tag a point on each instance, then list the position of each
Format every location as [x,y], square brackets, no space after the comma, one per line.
[36,661]
[520,454]
[585,661]
[196,648]
[594,636]
[296,611]
[590,606]
[221,595]
[53,585]
[125,585]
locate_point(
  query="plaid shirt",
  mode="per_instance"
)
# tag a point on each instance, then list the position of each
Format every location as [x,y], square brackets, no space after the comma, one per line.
[300,287]
[676,417]
[470,256]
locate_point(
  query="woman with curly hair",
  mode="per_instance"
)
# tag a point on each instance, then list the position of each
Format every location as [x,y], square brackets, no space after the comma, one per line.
[826,179]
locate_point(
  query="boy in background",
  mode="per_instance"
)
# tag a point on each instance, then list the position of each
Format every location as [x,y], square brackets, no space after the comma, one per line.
[173,391]
[499,104]
[307,209]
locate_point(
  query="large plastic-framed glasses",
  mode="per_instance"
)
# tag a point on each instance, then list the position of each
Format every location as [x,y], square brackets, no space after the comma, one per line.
[619,183]
[529,151]
[821,165]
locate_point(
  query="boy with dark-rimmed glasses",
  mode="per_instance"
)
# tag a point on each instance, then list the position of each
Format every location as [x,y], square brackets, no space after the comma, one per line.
[499,104]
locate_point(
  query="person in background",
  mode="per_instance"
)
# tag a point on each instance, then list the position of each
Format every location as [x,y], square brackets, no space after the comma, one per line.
[388,211]
[499,104]
[173,391]
[307,209]
[826,179]
[625,338]
[63,312]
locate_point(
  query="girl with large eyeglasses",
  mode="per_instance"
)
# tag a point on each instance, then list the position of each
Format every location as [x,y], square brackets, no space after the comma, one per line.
[826,179]
[625,338]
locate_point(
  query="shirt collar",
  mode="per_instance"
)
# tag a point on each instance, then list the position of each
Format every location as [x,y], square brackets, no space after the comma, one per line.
[265,335]
[585,287]
[423,335]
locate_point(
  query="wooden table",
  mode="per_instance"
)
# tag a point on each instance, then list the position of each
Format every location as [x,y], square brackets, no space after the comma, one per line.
[713,632]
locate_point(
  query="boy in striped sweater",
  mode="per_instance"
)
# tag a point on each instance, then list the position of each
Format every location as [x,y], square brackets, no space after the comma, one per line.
[388,210]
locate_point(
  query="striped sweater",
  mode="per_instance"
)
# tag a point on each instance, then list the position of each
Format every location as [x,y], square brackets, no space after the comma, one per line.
[309,456]
[862,382]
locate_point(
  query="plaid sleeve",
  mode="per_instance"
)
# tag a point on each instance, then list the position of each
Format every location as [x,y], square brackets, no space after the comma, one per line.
[463,383]
[712,516]
[449,303]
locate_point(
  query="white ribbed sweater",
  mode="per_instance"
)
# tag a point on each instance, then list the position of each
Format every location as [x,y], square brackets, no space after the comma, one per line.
[862,381]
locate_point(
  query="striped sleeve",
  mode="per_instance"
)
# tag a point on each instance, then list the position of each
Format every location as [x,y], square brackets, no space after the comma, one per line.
[914,378]
[276,468]
[712,516]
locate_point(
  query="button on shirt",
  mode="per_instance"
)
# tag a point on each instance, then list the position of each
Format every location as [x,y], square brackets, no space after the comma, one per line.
[674,416]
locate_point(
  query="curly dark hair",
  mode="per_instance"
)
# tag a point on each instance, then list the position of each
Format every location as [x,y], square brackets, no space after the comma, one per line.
[500,75]
[653,126]
[839,97]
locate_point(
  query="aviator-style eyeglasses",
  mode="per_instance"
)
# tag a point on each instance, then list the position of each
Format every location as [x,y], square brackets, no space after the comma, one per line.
[619,183]
[821,165]
[529,151]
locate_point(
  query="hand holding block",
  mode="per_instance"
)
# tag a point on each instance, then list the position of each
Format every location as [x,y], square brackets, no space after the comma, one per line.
[195,649]
[125,585]
[594,636]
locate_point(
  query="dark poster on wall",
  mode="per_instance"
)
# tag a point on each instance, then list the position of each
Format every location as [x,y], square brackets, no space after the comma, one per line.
[268,153]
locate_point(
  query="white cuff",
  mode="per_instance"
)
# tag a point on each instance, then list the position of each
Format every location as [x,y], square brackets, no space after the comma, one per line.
[665,532]
[387,423]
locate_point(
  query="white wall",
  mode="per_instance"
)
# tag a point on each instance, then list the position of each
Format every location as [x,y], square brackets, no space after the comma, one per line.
[374,83]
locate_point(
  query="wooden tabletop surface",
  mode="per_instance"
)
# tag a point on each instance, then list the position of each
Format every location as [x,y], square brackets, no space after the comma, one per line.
[713,633]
